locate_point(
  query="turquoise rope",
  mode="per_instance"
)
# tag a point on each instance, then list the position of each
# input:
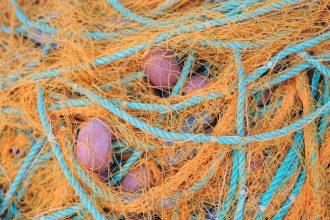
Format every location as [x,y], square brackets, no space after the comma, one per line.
[79,216]
[122,10]
[139,105]
[302,177]
[173,136]
[43,158]
[168,202]
[89,181]
[292,72]
[318,65]
[133,16]
[125,151]
[215,43]
[227,6]
[323,111]
[118,176]
[288,74]
[28,23]
[148,22]
[13,210]
[244,4]
[239,214]
[186,29]
[17,30]
[296,48]
[282,175]
[238,45]
[118,144]
[61,214]
[184,74]
[47,29]
[58,154]
[29,66]
[315,84]
[222,213]
[22,30]
[211,172]
[125,80]
[28,160]
[296,190]
[10,110]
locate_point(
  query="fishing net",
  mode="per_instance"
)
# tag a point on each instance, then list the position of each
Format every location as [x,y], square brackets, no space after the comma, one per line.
[253,143]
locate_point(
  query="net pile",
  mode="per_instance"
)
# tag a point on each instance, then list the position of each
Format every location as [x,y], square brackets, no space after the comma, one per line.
[263,151]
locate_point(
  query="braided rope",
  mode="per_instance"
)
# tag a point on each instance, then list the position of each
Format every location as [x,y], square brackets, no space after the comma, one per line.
[57,151]
[28,160]
[233,9]
[240,131]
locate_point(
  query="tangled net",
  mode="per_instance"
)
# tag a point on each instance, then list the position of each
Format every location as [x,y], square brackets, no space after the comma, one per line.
[264,153]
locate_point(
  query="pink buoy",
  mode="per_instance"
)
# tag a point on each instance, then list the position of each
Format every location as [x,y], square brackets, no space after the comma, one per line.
[137,179]
[195,83]
[162,68]
[94,147]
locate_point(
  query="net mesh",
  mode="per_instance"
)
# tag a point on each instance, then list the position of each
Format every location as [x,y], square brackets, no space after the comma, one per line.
[253,143]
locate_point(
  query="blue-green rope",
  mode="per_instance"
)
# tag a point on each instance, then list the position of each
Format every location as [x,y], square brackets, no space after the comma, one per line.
[89,182]
[43,158]
[117,5]
[227,6]
[243,5]
[315,84]
[321,111]
[184,74]
[61,214]
[213,168]
[28,160]
[118,176]
[29,66]
[318,65]
[200,26]
[296,190]
[289,74]
[58,154]
[296,48]
[13,210]
[28,23]
[241,163]
[222,213]
[287,168]
[173,136]
[125,80]
[171,201]
[139,105]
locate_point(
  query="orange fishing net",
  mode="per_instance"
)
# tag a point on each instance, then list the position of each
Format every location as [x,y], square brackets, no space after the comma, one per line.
[262,152]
